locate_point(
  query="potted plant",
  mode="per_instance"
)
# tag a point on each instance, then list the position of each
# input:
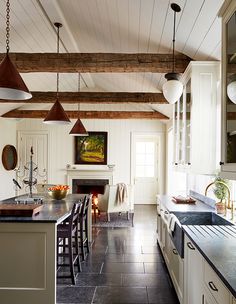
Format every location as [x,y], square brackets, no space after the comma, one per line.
[221,193]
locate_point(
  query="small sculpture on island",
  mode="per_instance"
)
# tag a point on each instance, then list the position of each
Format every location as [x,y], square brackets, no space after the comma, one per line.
[28,177]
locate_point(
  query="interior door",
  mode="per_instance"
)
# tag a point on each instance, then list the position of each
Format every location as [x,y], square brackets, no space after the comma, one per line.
[39,142]
[145,169]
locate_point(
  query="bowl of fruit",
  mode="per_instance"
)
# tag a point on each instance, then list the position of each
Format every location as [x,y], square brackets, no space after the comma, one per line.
[58,192]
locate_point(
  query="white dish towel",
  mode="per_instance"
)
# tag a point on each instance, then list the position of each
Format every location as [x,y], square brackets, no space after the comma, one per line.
[173,220]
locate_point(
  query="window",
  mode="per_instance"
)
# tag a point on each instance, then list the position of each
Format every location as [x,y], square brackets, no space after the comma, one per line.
[145,159]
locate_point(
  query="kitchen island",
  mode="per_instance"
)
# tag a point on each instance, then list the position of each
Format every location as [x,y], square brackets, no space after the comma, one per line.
[28,253]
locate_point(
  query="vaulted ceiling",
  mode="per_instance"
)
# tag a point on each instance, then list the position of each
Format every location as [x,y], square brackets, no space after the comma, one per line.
[114,26]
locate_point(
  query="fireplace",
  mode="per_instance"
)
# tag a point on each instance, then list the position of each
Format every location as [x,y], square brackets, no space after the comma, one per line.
[93,186]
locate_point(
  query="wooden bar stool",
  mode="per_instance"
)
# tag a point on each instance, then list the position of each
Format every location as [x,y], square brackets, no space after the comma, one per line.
[83,227]
[67,242]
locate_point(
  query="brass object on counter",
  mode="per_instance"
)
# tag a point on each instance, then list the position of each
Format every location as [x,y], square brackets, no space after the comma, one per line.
[229,205]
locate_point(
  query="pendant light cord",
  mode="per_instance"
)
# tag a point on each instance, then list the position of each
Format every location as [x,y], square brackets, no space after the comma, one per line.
[7,26]
[173,41]
[78,91]
[58,38]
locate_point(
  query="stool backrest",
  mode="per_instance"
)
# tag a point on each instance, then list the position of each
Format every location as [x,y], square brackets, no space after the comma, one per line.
[85,205]
[76,210]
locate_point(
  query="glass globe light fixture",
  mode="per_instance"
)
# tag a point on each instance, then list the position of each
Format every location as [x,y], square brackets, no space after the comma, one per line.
[231,91]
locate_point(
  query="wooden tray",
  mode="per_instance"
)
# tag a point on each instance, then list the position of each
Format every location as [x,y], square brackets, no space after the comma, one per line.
[183,200]
[19,209]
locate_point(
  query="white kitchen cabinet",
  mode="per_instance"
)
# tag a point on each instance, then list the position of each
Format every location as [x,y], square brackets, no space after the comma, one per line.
[158,220]
[228,126]
[198,134]
[193,273]
[201,283]
[215,286]
[207,298]
[176,270]
[172,259]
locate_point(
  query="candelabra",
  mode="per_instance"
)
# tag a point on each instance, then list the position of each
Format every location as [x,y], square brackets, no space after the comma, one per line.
[27,176]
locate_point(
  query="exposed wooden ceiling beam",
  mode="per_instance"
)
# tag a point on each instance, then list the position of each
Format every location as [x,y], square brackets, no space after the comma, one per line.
[97,62]
[94,97]
[88,114]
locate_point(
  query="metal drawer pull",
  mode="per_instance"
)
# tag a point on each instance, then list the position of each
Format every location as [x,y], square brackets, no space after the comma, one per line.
[190,246]
[175,251]
[212,286]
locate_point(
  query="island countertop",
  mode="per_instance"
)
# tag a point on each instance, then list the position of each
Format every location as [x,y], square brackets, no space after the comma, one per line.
[53,211]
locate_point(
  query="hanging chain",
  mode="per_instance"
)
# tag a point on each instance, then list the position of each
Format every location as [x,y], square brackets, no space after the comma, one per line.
[173,52]
[58,38]
[78,90]
[7,26]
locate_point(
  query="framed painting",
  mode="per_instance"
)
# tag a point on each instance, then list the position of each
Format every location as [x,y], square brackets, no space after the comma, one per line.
[92,149]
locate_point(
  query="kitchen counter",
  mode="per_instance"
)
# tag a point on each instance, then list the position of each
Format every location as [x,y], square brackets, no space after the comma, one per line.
[171,206]
[54,211]
[217,244]
[28,255]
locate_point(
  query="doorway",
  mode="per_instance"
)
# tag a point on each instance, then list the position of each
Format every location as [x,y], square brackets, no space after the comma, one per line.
[145,167]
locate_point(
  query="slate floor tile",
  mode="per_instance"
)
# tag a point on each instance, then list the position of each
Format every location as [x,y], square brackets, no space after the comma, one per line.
[122,267]
[155,268]
[116,258]
[145,280]
[125,295]
[75,294]
[104,279]
[150,249]
[141,258]
[161,296]
[125,249]
[91,267]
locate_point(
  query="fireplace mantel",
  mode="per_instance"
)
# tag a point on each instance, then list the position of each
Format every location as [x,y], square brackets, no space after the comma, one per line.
[94,172]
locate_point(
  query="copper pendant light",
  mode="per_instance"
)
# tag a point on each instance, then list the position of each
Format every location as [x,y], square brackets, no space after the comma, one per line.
[12,86]
[78,128]
[173,88]
[57,115]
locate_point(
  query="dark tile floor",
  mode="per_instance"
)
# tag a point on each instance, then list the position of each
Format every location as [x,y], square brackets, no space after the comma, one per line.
[124,266]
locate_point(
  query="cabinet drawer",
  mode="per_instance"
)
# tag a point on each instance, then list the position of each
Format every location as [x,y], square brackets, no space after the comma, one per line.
[215,285]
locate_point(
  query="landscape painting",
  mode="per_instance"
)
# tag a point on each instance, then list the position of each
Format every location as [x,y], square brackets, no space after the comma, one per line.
[92,149]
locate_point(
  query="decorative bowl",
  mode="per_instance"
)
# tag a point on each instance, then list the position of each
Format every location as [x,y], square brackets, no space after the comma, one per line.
[58,194]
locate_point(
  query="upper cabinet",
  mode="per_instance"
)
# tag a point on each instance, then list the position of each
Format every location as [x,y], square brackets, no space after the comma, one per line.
[195,119]
[228,147]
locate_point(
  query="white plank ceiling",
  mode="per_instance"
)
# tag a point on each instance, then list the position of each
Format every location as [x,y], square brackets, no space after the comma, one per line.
[122,26]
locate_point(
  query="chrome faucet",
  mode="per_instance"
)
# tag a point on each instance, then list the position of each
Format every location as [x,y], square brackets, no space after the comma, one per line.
[229,204]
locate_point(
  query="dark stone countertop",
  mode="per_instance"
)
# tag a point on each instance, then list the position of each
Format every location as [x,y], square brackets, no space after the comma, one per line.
[217,244]
[171,206]
[53,211]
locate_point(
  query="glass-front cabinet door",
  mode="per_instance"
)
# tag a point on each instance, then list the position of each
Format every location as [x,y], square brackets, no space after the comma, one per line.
[228,149]
[182,126]
[188,121]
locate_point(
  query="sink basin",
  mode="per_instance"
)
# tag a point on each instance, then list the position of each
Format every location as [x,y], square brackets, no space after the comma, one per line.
[194,218]
[200,218]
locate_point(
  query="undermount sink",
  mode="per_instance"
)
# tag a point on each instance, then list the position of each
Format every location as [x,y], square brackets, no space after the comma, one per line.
[194,218]
[200,218]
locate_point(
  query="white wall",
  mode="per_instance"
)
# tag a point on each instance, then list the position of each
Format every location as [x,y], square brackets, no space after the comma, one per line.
[119,141]
[8,137]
